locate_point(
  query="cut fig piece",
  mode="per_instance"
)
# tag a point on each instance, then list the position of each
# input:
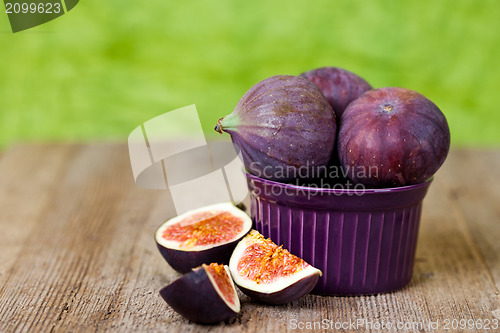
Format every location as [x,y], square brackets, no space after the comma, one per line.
[206,295]
[201,236]
[269,273]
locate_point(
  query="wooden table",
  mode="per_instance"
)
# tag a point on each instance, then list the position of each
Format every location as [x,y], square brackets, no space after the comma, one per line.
[77,252]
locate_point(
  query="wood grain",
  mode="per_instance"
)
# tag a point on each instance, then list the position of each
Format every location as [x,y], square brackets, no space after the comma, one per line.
[77,252]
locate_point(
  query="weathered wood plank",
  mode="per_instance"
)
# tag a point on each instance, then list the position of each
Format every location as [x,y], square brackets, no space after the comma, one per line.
[27,175]
[78,252]
[474,183]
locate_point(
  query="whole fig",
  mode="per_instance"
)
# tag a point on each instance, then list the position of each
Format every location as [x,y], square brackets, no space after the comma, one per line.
[339,86]
[392,137]
[284,128]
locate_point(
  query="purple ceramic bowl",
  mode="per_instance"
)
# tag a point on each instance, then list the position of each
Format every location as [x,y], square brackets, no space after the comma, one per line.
[363,240]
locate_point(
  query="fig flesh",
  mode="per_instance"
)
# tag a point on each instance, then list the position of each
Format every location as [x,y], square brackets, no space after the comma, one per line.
[201,236]
[339,86]
[392,137]
[269,273]
[283,124]
[206,295]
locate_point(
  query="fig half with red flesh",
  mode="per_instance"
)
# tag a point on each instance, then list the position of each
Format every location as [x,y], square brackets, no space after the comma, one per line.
[269,273]
[206,295]
[201,236]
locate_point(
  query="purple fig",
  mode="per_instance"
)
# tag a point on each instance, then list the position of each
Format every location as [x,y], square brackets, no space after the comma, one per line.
[269,273]
[206,295]
[392,137]
[201,236]
[284,128]
[339,86]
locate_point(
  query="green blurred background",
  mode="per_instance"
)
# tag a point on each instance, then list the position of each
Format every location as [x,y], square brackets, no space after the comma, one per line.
[107,66]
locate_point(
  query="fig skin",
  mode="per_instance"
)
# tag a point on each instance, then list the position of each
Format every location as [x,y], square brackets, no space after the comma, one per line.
[282,125]
[287,295]
[339,86]
[398,134]
[194,297]
[185,261]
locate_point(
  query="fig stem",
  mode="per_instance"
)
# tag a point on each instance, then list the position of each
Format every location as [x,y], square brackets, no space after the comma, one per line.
[218,127]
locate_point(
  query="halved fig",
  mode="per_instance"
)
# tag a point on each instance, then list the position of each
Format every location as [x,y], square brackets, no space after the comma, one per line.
[206,295]
[201,236]
[269,273]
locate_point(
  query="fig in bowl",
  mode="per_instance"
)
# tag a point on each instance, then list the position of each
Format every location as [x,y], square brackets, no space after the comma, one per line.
[283,124]
[392,137]
[339,86]
[201,236]
[206,295]
[269,273]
